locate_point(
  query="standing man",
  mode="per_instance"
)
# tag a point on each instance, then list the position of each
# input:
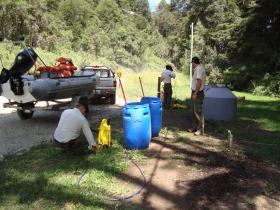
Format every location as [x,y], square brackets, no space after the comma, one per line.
[197,96]
[68,132]
[166,77]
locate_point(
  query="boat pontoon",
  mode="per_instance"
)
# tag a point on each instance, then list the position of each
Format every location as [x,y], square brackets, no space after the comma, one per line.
[24,91]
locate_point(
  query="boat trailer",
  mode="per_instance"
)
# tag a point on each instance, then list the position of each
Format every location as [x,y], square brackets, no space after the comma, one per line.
[26,110]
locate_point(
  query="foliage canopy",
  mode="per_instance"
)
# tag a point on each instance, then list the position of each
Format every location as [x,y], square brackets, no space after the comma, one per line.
[238,41]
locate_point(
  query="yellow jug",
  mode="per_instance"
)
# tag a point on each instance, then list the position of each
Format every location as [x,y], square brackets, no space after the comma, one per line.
[104,134]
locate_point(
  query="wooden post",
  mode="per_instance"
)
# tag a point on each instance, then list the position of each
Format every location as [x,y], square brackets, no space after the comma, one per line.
[122,91]
[141,86]
[230,139]
[158,87]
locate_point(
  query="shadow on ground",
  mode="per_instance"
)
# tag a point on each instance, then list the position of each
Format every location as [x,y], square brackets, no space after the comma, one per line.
[209,176]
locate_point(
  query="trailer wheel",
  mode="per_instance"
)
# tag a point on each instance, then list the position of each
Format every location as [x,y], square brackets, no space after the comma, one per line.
[24,115]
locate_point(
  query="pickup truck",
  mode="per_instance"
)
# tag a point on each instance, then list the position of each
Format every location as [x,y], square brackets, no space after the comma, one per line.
[106,89]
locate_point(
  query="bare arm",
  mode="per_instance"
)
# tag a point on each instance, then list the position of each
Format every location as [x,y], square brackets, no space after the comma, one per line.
[88,134]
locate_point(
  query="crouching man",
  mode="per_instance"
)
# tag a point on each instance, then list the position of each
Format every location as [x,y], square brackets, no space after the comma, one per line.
[68,132]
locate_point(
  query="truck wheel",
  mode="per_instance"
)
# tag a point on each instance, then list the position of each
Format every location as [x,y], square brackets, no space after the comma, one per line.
[113,99]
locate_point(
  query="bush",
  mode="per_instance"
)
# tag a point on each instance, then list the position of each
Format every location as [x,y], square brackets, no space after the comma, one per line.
[270,85]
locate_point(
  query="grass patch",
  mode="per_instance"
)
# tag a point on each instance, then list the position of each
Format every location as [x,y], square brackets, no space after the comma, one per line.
[265,111]
[45,178]
[271,187]
[176,156]
[8,52]
[258,120]
[149,79]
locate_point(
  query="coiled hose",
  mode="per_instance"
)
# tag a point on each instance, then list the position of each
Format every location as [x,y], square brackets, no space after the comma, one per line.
[122,198]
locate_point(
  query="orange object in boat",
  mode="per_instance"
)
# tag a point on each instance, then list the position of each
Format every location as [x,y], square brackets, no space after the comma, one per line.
[65,68]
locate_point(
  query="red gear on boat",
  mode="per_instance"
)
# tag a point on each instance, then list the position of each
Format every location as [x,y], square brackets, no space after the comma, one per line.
[65,68]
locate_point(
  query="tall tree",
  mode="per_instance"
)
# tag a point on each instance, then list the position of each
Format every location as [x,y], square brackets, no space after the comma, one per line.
[257,52]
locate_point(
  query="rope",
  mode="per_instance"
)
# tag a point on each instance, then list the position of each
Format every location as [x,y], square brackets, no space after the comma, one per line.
[122,198]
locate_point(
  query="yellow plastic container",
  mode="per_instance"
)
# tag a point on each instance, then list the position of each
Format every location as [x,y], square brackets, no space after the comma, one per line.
[104,135]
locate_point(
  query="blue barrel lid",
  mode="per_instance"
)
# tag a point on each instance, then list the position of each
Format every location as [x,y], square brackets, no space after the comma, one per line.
[136,105]
[150,99]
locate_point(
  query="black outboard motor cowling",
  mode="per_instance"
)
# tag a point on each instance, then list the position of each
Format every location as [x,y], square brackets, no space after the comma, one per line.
[4,77]
[23,63]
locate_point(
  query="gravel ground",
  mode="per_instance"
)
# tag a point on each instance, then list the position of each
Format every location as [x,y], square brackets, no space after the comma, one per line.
[19,135]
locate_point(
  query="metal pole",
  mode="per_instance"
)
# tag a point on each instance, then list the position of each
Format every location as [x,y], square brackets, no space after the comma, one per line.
[191,55]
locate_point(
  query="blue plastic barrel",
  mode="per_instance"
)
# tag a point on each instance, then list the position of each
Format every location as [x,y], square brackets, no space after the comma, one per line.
[137,125]
[156,113]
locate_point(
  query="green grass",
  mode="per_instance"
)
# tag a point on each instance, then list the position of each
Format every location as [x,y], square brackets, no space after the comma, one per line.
[45,178]
[265,111]
[258,121]
[149,79]
[8,52]
[258,117]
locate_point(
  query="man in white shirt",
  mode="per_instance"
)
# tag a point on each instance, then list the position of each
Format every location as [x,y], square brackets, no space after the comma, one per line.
[68,132]
[166,77]
[197,97]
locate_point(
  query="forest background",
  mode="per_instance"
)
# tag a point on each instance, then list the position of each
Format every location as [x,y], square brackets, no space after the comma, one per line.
[237,40]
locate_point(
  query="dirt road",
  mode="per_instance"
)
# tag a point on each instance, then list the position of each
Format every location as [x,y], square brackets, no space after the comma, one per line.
[18,135]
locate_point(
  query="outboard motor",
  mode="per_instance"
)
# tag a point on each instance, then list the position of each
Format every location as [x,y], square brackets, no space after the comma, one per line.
[23,62]
[4,77]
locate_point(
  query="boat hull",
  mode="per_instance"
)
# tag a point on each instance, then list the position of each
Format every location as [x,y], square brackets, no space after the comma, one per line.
[51,89]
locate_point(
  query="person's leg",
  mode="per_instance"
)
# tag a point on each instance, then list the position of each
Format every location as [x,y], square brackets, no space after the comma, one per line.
[198,112]
[68,147]
[194,117]
[168,96]
[64,147]
[78,144]
[165,97]
[202,113]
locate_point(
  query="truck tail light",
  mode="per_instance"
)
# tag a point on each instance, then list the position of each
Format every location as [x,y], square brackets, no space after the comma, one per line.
[115,83]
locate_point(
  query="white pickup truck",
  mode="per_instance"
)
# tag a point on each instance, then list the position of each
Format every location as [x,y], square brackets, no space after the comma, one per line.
[107,83]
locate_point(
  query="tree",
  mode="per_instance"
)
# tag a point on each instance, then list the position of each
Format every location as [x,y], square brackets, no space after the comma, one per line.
[142,8]
[164,19]
[109,13]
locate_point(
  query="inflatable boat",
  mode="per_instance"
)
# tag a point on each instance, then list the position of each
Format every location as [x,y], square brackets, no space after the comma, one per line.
[19,87]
